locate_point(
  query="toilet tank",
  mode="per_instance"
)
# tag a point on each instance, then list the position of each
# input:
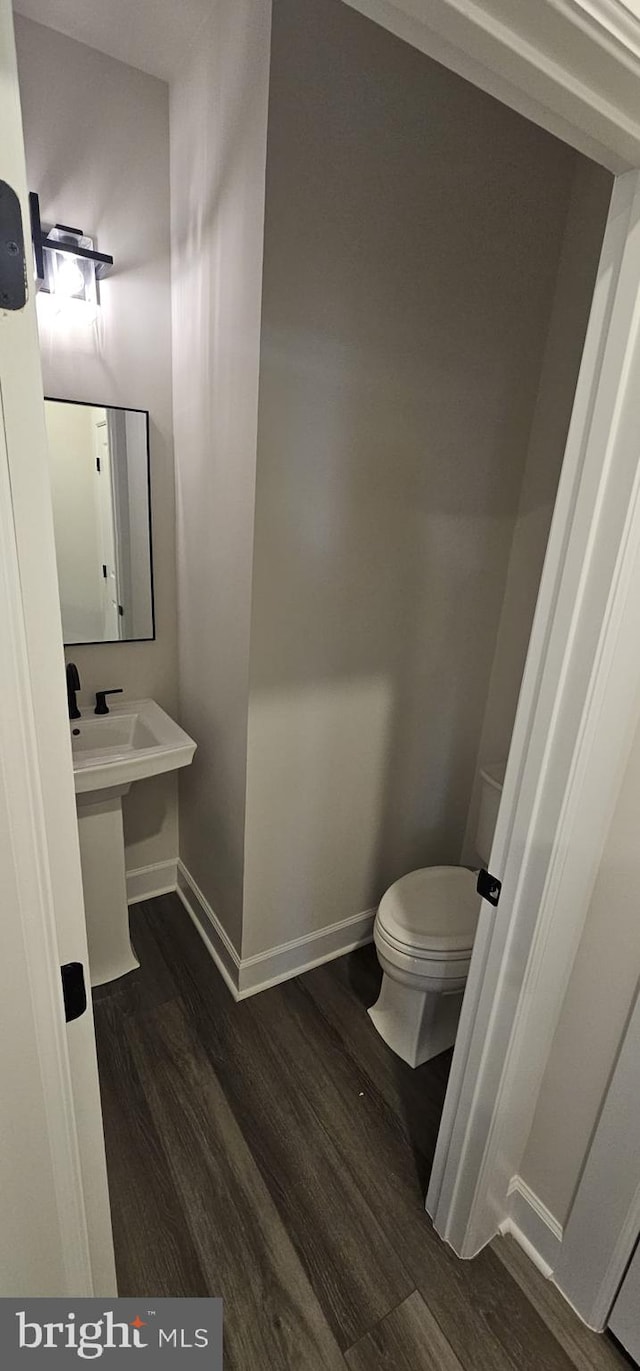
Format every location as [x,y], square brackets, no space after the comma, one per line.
[491,780]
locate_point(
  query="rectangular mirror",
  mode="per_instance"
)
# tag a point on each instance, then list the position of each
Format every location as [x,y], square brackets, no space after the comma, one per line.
[99,465]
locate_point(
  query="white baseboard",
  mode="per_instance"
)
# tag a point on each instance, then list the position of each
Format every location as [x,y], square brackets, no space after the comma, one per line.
[533,1226]
[216,941]
[146,881]
[247,976]
[302,954]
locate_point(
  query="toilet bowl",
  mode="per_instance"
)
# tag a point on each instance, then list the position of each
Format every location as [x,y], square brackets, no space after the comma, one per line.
[423,932]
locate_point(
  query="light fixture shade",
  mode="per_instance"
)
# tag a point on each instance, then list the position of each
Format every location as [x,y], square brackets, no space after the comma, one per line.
[66,276]
[67,267]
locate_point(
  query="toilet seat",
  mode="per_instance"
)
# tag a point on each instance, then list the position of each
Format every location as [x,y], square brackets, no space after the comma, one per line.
[430,915]
[415,968]
[421,953]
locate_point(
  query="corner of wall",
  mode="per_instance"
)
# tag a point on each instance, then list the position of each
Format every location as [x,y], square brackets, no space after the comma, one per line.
[218,131]
[533,1226]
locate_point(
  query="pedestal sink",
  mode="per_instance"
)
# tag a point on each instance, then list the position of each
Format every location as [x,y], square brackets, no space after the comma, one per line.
[134,740]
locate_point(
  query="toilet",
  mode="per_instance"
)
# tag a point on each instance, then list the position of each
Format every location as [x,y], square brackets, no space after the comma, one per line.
[423,932]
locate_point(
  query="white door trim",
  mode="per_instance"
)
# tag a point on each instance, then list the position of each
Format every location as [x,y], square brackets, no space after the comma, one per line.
[570,66]
[36,774]
[604,1221]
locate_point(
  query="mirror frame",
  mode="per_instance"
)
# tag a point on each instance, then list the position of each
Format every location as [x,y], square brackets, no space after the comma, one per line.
[131,409]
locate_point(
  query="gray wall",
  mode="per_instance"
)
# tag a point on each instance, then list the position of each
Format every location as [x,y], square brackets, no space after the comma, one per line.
[577,267]
[412,238]
[218,149]
[97,144]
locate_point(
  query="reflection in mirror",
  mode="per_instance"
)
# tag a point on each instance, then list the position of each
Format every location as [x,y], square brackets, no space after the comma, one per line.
[99,465]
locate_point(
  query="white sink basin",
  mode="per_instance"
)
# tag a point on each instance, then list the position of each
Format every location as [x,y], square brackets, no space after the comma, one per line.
[135,739]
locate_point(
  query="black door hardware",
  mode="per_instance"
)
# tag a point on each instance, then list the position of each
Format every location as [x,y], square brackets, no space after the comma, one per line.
[489,887]
[73,990]
[101,700]
[13,270]
[73,685]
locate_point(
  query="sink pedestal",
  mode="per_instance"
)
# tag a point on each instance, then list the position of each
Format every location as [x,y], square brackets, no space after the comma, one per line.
[133,740]
[104,884]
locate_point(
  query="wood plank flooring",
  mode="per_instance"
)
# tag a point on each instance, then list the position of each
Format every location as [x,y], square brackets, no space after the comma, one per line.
[276,1153]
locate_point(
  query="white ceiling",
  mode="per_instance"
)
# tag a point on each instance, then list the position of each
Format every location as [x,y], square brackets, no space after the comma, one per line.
[151,34]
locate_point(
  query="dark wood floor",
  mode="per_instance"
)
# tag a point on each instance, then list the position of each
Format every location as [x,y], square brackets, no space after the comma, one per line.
[276,1153]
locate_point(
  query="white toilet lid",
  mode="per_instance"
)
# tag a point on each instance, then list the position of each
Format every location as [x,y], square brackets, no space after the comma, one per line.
[435,908]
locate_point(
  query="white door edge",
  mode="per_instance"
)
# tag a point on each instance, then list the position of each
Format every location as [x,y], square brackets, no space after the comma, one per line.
[39,836]
[21,778]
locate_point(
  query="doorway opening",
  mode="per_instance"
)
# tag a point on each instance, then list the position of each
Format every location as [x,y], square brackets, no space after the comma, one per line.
[429,264]
[360,541]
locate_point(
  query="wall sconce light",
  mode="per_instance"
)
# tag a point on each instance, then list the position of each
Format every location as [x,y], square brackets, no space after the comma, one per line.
[66,263]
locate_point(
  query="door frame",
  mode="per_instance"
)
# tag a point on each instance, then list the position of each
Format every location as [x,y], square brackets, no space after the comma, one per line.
[37,776]
[573,66]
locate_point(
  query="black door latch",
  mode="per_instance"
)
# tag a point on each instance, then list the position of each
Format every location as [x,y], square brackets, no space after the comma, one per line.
[13,272]
[73,990]
[489,887]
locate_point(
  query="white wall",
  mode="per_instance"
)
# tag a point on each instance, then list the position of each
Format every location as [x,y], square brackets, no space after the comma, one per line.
[577,265]
[72,474]
[412,236]
[599,998]
[218,148]
[97,144]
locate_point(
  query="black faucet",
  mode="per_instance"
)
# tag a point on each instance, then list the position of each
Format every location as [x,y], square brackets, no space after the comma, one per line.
[73,684]
[101,700]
